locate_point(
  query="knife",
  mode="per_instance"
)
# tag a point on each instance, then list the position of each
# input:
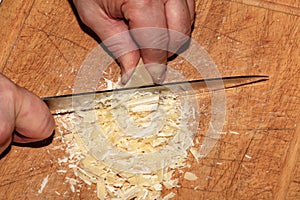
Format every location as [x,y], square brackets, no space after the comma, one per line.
[85,101]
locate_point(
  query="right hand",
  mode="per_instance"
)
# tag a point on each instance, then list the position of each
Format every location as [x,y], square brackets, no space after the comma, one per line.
[23,112]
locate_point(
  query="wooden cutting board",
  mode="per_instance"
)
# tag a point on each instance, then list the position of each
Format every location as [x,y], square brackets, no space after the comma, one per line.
[257,156]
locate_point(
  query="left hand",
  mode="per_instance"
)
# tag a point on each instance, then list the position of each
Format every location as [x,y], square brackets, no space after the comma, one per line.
[110,17]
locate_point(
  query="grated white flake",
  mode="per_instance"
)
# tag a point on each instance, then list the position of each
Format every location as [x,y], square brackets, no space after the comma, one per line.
[157,187]
[101,190]
[71,180]
[109,84]
[57,193]
[43,185]
[195,152]
[72,166]
[233,132]
[247,156]
[61,171]
[57,147]
[190,176]
[72,188]
[169,196]
[62,160]
[219,163]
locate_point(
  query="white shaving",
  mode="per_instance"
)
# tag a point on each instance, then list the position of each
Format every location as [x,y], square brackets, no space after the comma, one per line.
[43,185]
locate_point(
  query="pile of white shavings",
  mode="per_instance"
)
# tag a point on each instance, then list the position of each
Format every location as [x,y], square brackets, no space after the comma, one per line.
[116,184]
[110,183]
[140,128]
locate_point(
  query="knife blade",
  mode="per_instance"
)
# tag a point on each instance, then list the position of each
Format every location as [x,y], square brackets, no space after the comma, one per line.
[82,101]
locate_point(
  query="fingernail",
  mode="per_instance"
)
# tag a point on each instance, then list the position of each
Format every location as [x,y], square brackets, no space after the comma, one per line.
[126,76]
[157,71]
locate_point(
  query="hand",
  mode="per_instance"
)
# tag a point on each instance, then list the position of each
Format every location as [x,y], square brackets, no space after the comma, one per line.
[110,17]
[23,112]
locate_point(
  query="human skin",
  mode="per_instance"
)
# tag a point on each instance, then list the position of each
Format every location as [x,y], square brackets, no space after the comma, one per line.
[108,18]
[23,112]
[27,114]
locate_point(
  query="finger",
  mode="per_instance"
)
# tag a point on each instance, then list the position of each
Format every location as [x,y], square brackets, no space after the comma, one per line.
[179,22]
[153,40]
[6,119]
[33,119]
[113,32]
[7,111]
[191,6]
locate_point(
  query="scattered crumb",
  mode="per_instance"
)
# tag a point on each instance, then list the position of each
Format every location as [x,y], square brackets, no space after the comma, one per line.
[190,176]
[57,147]
[101,190]
[43,185]
[61,171]
[233,132]
[169,196]
[62,160]
[195,153]
[247,156]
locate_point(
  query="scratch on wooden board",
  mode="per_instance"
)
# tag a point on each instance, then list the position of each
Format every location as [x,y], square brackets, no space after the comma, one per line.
[20,28]
[204,8]
[49,35]
[289,165]
[290,10]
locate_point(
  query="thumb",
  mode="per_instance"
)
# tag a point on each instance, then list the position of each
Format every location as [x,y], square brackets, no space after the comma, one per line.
[24,112]
[33,119]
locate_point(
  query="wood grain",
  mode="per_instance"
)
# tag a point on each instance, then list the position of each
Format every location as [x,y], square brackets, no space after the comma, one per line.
[14,16]
[43,47]
[289,170]
[291,7]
